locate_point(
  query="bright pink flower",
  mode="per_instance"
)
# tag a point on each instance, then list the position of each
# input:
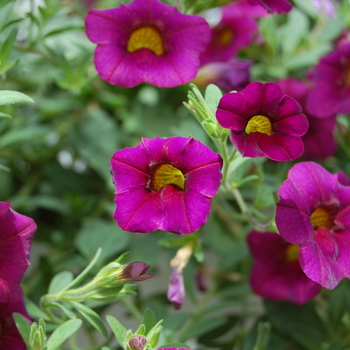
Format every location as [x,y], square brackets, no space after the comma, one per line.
[165,184]
[343,179]
[236,30]
[176,291]
[146,41]
[276,273]
[320,132]
[263,122]
[16,235]
[314,212]
[331,80]
[173,348]
[279,6]
[10,338]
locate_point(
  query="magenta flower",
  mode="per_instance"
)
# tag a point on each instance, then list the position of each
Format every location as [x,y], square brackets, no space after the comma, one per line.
[173,348]
[331,91]
[176,291]
[314,212]
[10,338]
[279,6]
[236,30]
[276,273]
[231,75]
[263,122]
[343,179]
[320,132]
[146,41]
[165,184]
[16,235]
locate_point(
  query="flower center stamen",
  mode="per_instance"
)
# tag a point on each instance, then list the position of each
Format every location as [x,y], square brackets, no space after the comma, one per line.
[225,36]
[166,174]
[291,253]
[146,38]
[259,123]
[321,218]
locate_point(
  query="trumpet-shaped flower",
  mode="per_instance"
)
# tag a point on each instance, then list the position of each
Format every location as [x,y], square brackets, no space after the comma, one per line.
[165,184]
[314,212]
[176,291]
[263,122]
[279,6]
[146,41]
[16,235]
[276,273]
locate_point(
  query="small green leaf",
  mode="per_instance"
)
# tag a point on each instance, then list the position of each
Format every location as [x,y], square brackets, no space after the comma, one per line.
[34,311]
[149,320]
[69,313]
[62,333]
[4,168]
[60,281]
[212,97]
[4,115]
[106,348]
[7,47]
[92,317]
[307,7]
[23,327]
[10,97]
[117,328]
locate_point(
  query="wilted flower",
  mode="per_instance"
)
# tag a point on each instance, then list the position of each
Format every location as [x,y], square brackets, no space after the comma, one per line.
[276,273]
[136,272]
[314,212]
[320,132]
[176,291]
[10,338]
[146,41]
[331,79]
[231,75]
[16,235]
[263,122]
[279,6]
[165,184]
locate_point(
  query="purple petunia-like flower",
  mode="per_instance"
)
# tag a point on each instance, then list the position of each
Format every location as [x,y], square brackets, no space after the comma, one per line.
[146,41]
[176,291]
[314,212]
[16,235]
[331,80]
[263,122]
[276,273]
[165,184]
[279,6]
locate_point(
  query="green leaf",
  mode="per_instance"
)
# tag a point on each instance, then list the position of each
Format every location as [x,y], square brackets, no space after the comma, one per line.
[6,48]
[62,333]
[106,348]
[92,317]
[60,281]
[149,320]
[307,7]
[117,328]
[4,168]
[212,97]
[29,133]
[4,115]
[332,29]
[176,345]
[69,313]
[203,326]
[264,329]
[23,326]
[34,311]
[5,10]
[304,336]
[10,97]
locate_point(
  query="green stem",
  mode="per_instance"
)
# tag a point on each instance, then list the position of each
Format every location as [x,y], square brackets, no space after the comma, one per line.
[132,308]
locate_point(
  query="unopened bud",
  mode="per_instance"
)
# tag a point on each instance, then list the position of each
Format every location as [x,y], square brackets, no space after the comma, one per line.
[137,342]
[136,272]
[191,104]
[37,336]
[176,291]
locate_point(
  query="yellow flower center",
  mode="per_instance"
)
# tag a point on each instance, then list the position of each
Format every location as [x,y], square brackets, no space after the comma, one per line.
[259,123]
[291,253]
[321,218]
[146,38]
[225,36]
[166,174]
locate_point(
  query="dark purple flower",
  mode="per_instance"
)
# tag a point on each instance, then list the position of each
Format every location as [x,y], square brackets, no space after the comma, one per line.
[165,184]
[331,78]
[16,235]
[314,212]
[231,75]
[320,132]
[176,291]
[343,179]
[135,272]
[279,6]
[276,273]
[263,122]
[146,41]
[235,31]
[10,338]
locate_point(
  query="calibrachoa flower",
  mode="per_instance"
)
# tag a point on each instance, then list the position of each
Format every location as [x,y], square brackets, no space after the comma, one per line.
[231,75]
[279,6]
[343,179]
[331,79]
[146,41]
[10,338]
[320,132]
[314,212]
[263,122]
[176,291]
[165,184]
[16,235]
[235,31]
[276,273]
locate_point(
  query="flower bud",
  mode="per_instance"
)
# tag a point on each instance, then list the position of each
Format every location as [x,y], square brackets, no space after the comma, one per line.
[135,272]
[37,336]
[137,342]
[176,291]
